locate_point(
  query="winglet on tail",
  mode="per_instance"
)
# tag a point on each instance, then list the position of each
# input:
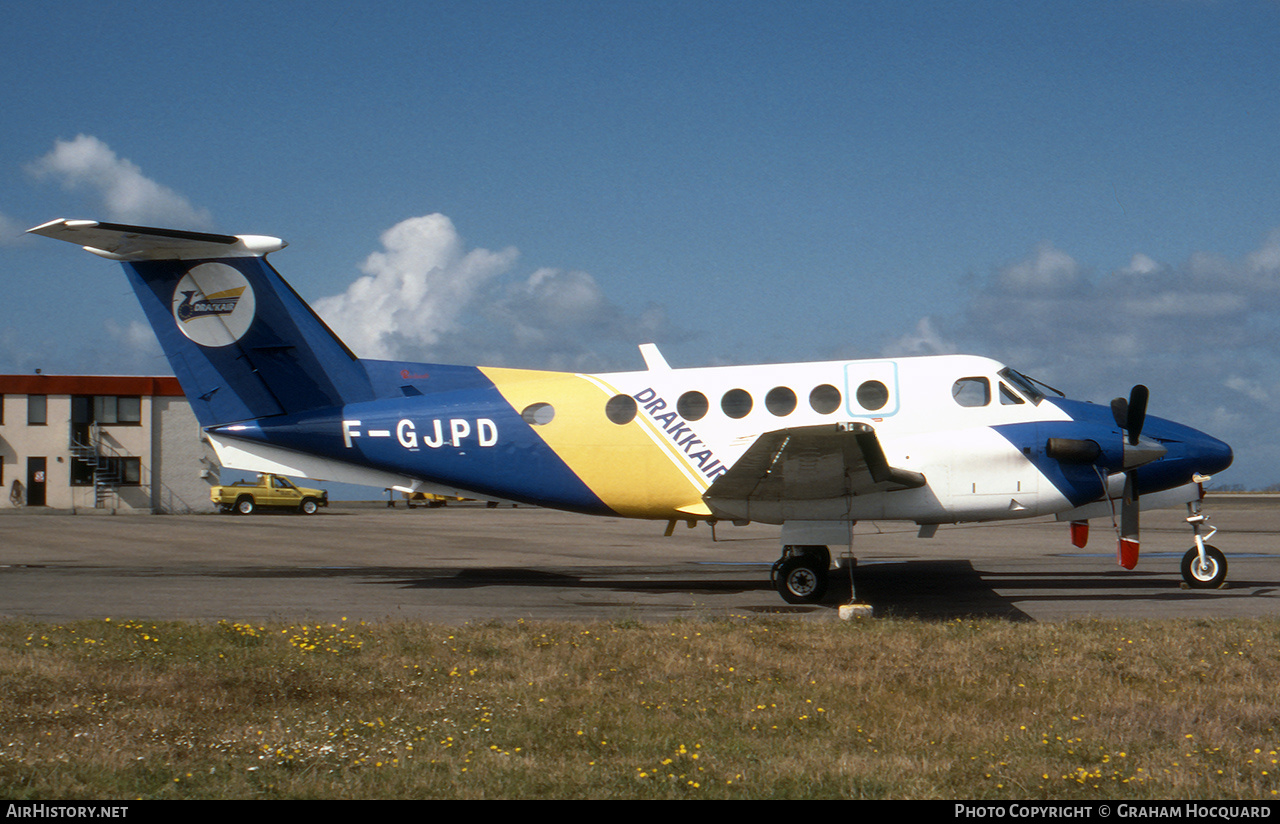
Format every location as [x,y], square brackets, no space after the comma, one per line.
[240,340]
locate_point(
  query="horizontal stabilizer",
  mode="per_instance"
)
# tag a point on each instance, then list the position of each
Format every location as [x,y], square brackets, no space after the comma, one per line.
[117,241]
[240,340]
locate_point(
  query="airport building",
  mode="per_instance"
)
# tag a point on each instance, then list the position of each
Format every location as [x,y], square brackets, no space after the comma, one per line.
[114,443]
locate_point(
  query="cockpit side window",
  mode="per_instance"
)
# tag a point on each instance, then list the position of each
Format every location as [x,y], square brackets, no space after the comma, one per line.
[1008,397]
[971,391]
[1027,386]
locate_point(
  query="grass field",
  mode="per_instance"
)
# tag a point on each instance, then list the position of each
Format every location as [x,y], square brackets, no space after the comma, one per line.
[739,708]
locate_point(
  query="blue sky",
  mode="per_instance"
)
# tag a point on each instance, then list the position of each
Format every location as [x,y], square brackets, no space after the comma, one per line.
[1086,190]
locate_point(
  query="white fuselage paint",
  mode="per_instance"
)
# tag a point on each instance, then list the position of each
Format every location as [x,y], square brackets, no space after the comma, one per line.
[972,472]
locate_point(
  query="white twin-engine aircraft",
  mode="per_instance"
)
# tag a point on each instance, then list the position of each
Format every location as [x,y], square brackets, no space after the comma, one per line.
[813,447]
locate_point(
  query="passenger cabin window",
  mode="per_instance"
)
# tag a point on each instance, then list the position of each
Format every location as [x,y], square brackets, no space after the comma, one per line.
[736,403]
[538,414]
[824,399]
[621,409]
[972,391]
[872,395]
[692,406]
[780,401]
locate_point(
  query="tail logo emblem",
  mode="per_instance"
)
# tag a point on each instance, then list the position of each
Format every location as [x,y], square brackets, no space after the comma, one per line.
[223,303]
[213,304]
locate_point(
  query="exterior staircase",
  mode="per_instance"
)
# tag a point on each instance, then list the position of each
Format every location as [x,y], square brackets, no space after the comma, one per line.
[103,459]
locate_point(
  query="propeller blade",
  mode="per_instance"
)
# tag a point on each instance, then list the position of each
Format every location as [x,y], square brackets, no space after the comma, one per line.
[1127,549]
[1136,413]
[1137,452]
[1120,411]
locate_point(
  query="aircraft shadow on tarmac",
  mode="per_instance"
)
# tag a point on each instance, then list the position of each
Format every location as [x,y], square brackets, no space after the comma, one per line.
[929,590]
[934,590]
[923,589]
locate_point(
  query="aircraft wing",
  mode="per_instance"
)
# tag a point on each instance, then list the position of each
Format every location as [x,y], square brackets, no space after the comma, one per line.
[806,464]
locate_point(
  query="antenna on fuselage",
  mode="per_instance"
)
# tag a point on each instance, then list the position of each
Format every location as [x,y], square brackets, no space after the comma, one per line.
[653,358]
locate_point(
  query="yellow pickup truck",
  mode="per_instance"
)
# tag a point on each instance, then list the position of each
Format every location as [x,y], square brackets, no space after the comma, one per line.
[275,491]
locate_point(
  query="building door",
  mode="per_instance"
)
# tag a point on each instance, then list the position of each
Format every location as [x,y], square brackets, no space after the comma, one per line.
[35,481]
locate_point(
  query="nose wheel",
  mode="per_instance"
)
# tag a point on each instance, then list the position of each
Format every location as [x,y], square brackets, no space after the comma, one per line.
[1204,566]
[1207,572]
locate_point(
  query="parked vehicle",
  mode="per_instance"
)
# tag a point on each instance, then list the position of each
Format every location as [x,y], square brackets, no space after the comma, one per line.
[271,491]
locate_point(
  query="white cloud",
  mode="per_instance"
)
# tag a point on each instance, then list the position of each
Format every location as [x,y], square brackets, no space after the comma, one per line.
[414,291]
[1255,391]
[1046,270]
[1140,264]
[925,340]
[426,296]
[127,195]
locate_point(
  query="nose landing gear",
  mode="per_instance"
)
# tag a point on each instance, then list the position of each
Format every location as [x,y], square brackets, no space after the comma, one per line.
[1204,566]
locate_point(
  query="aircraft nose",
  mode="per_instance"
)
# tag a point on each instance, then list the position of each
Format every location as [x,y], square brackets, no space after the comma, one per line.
[1211,453]
[1190,453]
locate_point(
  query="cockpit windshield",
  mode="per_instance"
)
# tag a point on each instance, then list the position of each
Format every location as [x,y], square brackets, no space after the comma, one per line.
[1028,386]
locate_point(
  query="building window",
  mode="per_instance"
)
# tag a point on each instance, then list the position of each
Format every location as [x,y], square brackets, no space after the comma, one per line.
[130,471]
[106,410]
[116,470]
[37,410]
[113,409]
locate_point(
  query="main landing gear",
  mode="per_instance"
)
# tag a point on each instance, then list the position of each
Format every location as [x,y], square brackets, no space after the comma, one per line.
[800,575]
[1204,566]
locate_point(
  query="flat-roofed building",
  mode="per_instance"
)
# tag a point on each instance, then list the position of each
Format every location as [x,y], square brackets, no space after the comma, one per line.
[102,442]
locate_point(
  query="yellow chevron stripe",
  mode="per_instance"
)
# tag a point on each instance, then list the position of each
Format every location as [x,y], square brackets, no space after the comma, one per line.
[630,467]
[659,438]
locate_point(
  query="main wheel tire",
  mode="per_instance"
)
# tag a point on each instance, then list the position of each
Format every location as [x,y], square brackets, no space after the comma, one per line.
[309,506]
[245,506]
[800,580]
[1211,575]
[818,553]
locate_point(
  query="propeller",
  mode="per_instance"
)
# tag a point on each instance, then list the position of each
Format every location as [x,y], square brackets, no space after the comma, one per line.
[1135,451]
[1130,416]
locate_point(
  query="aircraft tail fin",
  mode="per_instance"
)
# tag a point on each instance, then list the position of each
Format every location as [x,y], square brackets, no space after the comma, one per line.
[240,340]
